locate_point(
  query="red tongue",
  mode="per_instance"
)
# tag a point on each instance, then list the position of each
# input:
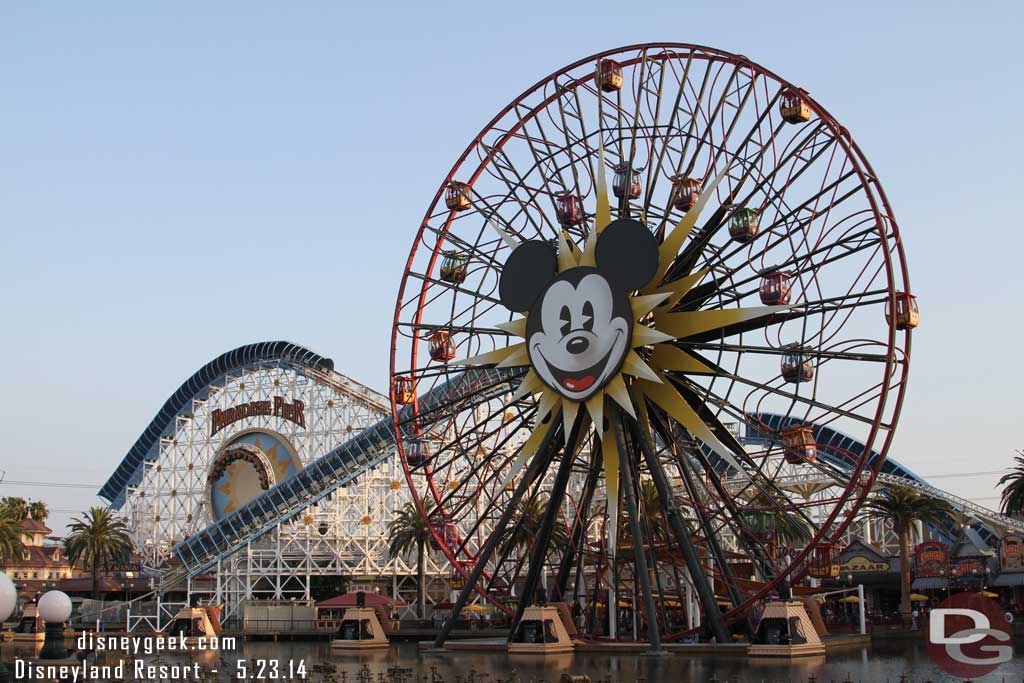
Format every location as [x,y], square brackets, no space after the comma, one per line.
[578,383]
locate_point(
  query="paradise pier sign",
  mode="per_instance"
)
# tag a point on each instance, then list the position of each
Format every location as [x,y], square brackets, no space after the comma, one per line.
[277,407]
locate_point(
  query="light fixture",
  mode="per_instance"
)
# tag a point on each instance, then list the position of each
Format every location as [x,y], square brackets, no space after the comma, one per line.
[54,608]
[8,601]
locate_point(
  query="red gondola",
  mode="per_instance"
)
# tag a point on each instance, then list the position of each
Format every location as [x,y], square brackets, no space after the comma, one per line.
[775,288]
[441,346]
[568,209]
[609,75]
[685,192]
[445,527]
[417,453]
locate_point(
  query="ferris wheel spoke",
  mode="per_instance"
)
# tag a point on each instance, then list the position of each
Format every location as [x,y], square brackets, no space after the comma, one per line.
[653,169]
[477,251]
[688,257]
[708,130]
[777,351]
[795,265]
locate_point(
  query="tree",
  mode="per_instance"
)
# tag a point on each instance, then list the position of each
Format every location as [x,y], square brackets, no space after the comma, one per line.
[903,507]
[99,540]
[650,504]
[14,506]
[407,531]
[778,518]
[530,515]
[11,534]
[38,511]
[1013,487]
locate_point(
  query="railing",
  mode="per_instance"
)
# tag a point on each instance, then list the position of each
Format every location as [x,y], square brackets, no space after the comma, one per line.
[267,627]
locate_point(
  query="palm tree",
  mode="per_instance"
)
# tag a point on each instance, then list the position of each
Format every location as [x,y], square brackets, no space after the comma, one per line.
[778,518]
[38,511]
[650,504]
[408,530]
[520,537]
[902,507]
[1013,491]
[14,506]
[11,535]
[98,540]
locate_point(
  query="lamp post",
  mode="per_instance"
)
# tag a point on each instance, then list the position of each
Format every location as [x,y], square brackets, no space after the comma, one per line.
[8,601]
[54,608]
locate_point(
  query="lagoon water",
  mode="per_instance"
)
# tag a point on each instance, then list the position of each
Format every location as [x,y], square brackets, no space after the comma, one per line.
[892,662]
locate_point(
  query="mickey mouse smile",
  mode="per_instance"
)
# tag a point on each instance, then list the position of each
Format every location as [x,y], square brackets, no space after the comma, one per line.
[577,381]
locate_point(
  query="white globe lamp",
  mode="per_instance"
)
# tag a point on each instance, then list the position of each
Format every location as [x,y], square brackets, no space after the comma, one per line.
[8,601]
[54,608]
[8,597]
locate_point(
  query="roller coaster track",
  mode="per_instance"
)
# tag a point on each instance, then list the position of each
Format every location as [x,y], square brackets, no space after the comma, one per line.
[377,444]
[197,387]
[325,475]
[833,447]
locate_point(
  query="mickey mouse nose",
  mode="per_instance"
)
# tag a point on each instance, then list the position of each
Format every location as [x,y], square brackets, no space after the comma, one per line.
[577,345]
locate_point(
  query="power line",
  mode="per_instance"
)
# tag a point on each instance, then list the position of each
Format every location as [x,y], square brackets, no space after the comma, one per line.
[52,484]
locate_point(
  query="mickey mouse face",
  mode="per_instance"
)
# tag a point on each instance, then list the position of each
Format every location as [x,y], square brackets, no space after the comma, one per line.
[579,323]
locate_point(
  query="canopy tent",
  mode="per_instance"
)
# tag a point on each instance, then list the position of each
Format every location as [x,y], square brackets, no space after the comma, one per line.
[917,597]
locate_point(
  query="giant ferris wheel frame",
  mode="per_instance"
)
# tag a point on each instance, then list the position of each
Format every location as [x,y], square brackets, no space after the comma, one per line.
[721,84]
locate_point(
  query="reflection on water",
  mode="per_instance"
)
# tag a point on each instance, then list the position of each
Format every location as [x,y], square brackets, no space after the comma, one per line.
[885,662]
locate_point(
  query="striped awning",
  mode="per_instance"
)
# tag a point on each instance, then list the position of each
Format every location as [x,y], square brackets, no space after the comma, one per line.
[930,583]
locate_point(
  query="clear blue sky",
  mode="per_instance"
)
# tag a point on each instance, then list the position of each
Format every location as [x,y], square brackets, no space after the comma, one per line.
[177,179]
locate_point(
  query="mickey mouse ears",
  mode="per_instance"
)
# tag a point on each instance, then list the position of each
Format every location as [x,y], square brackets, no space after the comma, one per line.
[626,254]
[528,270]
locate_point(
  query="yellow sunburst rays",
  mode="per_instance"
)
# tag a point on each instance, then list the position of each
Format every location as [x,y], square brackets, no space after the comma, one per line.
[654,323]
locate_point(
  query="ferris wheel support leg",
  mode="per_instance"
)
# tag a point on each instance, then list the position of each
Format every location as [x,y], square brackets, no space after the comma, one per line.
[540,547]
[578,531]
[640,555]
[716,548]
[675,521]
[538,465]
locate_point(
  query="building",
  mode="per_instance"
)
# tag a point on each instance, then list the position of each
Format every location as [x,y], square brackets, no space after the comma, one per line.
[44,563]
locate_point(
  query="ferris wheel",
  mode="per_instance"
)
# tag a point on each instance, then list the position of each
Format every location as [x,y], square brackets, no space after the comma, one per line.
[642,254]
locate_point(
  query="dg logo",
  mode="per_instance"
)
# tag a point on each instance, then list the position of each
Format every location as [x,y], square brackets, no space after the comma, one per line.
[969,636]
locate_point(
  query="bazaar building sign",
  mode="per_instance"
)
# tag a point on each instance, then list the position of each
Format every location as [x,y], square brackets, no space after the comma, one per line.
[278,407]
[860,564]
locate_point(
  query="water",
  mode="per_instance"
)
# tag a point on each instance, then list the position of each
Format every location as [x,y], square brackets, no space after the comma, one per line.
[883,662]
